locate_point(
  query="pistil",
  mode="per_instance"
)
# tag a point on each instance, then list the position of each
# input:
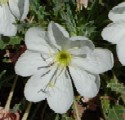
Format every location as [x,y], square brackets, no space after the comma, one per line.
[63,58]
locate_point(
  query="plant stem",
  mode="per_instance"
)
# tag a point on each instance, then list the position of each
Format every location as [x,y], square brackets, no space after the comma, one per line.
[7,106]
[27,111]
[76,110]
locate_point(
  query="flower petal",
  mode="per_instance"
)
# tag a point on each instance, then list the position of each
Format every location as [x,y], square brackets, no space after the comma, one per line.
[28,63]
[80,52]
[60,96]
[34,93]
[100,60]
[86,84]
[114,32]
[13,4]
[19,8]
[80,41]
[57,35]
[35,40]
[80,45]
[24,8]
[7,20]
[121,51]
[35,89]
[117,13]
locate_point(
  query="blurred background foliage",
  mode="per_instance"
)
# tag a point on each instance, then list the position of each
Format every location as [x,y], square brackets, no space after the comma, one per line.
[88,22]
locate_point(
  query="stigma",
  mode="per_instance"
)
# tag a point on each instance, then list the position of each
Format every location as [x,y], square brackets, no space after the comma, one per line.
[63,58]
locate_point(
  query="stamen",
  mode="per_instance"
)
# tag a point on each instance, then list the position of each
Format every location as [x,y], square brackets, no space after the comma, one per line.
[45,73]
[58,76]
[55,75]
[42,90]
[43,58]
[53,80]
[45,66]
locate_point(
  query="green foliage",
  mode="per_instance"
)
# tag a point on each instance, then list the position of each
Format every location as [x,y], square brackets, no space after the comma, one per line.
[105,105]
[63,117]
[2,45]
[116,113]
[116,86]
[14,40]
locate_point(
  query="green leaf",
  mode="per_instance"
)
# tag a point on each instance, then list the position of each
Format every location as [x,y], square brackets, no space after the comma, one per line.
[15,40]
[116,86]
[105,105]
[116,113]
[16,108]
[2,45]
[65,117]
[57,117]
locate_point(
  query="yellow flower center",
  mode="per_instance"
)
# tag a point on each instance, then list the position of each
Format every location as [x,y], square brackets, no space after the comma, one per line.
[3,1]
[63,58]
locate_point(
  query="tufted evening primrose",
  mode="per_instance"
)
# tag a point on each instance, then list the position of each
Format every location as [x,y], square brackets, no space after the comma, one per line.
[9,11]
[55,61]
[115,31]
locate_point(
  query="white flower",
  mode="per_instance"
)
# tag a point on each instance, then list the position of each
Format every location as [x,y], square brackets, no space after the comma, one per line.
[55,61]
[115,32]
[9,9]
